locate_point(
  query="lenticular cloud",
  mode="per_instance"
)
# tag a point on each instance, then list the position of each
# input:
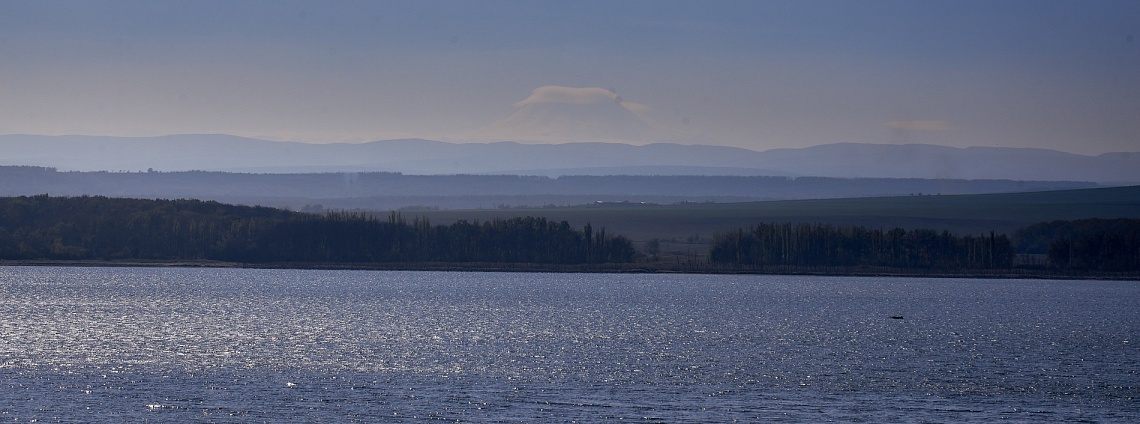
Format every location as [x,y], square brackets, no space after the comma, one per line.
[569,95]
[570,114]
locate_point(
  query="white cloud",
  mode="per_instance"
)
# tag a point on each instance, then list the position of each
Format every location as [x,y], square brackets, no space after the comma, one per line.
[577,96]
[569,95]
[556,114]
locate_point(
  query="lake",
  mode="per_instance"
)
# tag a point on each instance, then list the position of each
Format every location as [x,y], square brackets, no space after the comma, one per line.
[240,345]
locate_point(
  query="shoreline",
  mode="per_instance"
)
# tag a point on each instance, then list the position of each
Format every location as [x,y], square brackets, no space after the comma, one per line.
[609,268]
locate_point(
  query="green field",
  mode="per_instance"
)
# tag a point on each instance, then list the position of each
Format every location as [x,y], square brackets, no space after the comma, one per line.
[686,228]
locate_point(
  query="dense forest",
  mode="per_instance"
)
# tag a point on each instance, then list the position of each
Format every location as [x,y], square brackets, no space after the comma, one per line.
[827,246]
[1082,245]
[1087,244]
[101,228]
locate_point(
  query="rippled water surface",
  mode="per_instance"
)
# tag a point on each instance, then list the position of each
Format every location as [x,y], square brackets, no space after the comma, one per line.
[221,345]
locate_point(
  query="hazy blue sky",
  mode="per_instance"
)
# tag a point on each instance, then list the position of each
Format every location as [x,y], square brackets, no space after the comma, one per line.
[759,74]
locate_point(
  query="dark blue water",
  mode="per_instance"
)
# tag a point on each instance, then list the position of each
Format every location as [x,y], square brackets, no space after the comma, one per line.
[217,345]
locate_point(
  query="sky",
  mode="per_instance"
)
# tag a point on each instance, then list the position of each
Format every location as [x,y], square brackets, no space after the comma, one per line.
[1061,75]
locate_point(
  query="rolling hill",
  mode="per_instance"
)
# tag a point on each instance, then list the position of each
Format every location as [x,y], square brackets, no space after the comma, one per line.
[426,157]
[694,223]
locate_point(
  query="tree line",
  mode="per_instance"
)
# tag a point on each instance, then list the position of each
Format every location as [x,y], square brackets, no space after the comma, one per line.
[828,246]
[101,228]
[1086,244]
[1103,245]
[356,237]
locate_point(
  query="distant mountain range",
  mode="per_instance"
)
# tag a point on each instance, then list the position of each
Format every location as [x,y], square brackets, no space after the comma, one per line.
[414,156]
